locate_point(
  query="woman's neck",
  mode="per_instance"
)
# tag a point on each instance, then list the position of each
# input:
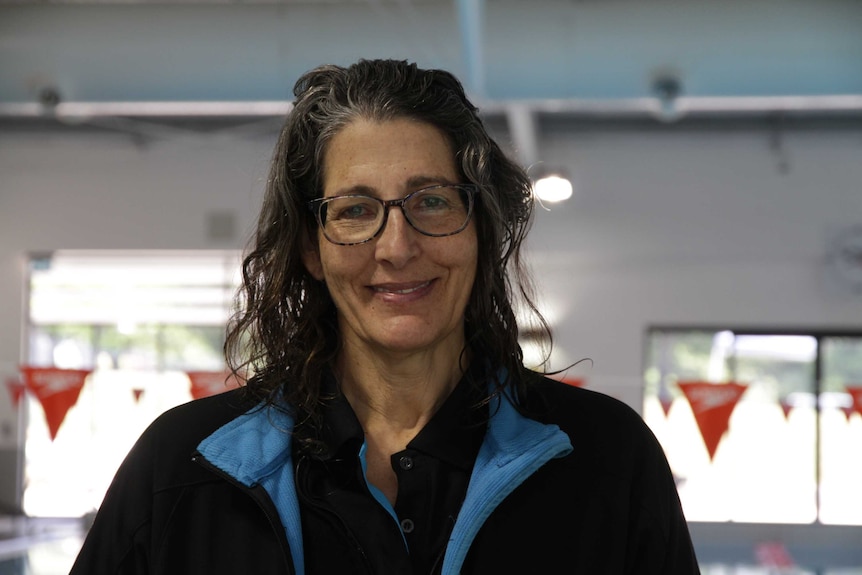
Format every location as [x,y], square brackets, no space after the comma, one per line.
[399,392]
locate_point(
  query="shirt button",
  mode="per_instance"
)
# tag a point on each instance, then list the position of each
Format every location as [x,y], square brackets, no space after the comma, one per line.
[407,525]
[406,463]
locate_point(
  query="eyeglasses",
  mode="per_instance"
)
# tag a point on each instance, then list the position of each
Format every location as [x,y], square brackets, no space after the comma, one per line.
[435,211]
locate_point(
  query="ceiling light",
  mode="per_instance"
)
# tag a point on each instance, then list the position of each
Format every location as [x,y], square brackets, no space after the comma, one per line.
[553,188]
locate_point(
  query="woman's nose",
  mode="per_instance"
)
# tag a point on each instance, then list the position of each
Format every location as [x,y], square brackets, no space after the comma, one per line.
[397,243]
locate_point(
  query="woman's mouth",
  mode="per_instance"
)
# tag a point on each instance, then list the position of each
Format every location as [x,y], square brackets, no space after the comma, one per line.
[400,289]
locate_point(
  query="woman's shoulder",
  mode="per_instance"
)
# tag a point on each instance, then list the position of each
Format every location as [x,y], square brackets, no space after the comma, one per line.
[205,413]
[583,412]
[561,399]
[604,431]
[178,431]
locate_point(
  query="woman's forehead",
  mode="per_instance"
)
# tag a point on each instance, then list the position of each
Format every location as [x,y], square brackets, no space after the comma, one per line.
[400,152]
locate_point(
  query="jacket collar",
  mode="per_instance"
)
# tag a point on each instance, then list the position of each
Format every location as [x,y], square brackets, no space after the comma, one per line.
[255,449]
[251,446]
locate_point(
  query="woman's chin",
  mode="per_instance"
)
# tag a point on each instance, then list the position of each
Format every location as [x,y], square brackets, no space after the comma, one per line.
[405,338]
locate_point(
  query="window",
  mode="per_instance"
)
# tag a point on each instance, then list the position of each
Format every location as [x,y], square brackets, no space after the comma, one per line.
[786,455]
[140,321]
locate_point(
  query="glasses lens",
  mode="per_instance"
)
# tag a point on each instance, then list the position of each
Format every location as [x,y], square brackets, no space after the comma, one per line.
[439,211]
[351,219]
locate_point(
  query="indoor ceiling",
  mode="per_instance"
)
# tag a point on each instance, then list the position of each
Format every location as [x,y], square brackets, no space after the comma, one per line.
[660,60]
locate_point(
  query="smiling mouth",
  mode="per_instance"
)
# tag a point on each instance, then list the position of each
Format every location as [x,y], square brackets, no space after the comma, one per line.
[401,290]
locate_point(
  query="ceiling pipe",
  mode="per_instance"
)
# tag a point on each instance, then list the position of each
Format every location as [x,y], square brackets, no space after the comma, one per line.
[630,108]
[687,106]
[84,110]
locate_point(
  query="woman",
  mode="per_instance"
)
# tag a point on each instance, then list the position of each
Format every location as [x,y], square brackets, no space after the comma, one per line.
[388,424]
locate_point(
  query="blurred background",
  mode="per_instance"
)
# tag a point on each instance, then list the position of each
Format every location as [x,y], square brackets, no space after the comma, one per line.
[704,254]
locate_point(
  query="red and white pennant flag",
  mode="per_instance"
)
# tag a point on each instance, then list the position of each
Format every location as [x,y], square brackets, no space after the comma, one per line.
[712,404]
[56,389]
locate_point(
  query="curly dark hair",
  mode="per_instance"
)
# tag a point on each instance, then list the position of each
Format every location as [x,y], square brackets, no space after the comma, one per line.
[285,333]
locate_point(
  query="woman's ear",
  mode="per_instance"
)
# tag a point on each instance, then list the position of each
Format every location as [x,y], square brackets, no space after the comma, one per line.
[311,257]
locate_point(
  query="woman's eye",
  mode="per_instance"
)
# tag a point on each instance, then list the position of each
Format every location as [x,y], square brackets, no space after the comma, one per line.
[432,203]
[354,210]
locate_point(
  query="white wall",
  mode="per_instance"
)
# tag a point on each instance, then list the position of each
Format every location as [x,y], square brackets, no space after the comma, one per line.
[695,227]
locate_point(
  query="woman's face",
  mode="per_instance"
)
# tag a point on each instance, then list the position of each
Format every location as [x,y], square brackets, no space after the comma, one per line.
[402,291]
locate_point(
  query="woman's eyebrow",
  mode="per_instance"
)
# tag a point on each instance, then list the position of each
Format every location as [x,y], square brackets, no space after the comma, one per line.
[412,183]
[358,189]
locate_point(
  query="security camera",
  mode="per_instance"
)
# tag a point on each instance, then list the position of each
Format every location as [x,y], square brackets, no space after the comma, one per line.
[50,97]
[667,88]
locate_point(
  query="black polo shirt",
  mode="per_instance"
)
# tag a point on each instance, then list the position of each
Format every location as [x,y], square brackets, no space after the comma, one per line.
[347,530]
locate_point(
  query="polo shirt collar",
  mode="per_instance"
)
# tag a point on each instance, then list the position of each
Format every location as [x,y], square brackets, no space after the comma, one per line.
[453,434]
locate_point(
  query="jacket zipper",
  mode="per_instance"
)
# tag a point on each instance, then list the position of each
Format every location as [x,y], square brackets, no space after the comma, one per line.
[259,495]
[357,546]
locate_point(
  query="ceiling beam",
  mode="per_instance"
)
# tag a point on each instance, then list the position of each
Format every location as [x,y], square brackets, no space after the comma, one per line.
[471,20]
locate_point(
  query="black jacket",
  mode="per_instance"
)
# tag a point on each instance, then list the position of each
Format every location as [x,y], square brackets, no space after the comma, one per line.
[609,506]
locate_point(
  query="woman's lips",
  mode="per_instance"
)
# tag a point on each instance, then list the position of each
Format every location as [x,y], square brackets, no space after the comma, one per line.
[400,289]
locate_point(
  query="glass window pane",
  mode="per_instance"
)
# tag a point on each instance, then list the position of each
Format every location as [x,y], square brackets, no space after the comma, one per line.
[775,429]
[840,432]
[763,469]
[674,356]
